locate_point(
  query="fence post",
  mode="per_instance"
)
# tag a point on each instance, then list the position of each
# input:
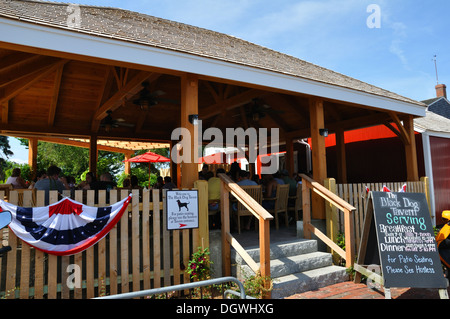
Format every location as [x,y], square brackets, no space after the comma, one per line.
[203,225]
[331,216]
[426,189]
[306,200]
[264,248]
[225,215]
[349,238]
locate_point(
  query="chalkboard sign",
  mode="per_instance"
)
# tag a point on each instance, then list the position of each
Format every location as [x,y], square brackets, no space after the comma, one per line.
[404,245]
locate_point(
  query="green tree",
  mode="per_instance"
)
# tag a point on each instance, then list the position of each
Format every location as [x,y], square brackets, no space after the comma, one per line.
[5,148]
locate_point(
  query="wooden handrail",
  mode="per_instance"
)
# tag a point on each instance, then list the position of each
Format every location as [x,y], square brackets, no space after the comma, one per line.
[229,187]
[253,206]
[327,194]
[309,184]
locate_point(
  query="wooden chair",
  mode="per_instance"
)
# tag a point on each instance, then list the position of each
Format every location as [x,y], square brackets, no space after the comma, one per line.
[7,188]
[20,192]
[281,204]
[214,218]
[297,199]
[256,193]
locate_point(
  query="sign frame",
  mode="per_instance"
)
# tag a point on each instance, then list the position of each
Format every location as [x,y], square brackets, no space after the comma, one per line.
[178,204]
[370,256]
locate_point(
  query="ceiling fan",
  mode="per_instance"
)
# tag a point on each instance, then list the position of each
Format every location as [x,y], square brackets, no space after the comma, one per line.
[108,122]
[258,110]
[148,99]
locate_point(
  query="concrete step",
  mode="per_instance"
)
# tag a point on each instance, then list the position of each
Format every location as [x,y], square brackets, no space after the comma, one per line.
[308,280]
[295,267]
[289,265]
[280,250]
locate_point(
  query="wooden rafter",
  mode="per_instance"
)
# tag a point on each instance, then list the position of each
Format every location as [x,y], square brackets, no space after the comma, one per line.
[279,121]
[23,70]
[132,87]
[212,91]
[13,60]
[55,95]
[293,104]
[230,103]
[13,88]
[5,111]
[401,131]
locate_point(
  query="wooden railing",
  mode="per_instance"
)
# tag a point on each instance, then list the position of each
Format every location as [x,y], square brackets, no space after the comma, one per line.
[229,187]
[309,185]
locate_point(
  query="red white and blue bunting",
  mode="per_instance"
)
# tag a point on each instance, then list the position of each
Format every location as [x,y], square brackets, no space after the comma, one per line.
[66,227]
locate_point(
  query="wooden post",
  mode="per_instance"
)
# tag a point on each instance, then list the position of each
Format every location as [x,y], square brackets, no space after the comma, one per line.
[349,238]
[331,215]
[306,195]
[189,106]
[290,156]
[128,155]
[32,156]
[426,189]
[341,156]
[93,155]
[319,160]
[225,218]
[410,151]
[264,249]
[203,226]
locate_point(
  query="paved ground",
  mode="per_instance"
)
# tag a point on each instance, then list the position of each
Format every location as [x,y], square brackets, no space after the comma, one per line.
[350,290]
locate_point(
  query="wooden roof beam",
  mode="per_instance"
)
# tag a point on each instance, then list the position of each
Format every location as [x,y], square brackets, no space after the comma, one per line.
[230,103]
[55,95]
[132,87]
[23,70]
[401,132]
[5,111]
[13,60]
[14,88]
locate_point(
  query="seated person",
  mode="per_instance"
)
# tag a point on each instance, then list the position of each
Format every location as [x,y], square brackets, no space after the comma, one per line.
[134,182]
[214,190]
[105,182]
[40,175]
[244,179]
[270,184]
[168,183]
[289,180]
[159,183]
[52,182]
[90,180]
[16,180]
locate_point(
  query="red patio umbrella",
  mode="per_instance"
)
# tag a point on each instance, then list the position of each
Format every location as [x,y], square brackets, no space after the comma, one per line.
[148,157]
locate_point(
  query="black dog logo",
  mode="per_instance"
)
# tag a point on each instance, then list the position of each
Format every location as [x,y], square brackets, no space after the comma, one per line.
[180,205]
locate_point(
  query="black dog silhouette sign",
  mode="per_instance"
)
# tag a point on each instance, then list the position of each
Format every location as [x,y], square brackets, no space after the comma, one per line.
[182,209]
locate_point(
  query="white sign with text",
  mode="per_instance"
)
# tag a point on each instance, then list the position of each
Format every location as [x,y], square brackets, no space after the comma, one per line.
[182,209]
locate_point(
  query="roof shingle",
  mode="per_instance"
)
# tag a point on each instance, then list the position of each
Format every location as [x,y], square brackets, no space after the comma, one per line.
[140,28]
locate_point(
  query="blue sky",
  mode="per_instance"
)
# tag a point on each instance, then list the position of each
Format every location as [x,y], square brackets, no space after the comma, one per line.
[334,34]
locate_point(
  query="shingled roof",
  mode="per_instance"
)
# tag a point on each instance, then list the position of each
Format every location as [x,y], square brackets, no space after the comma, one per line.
[170,35]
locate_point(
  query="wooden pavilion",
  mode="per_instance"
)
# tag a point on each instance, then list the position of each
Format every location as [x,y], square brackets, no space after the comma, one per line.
[99,73]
